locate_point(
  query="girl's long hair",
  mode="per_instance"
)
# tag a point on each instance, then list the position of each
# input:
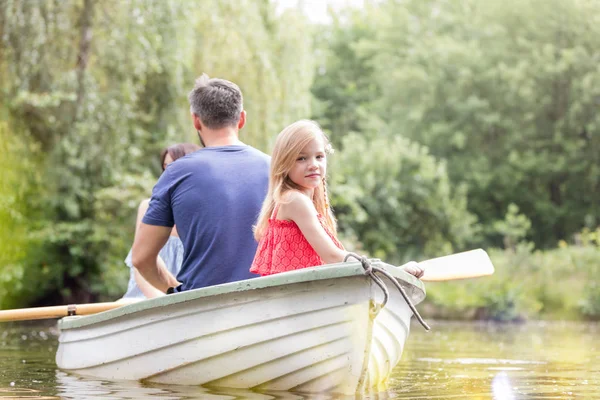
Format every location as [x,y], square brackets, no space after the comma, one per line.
[288,145]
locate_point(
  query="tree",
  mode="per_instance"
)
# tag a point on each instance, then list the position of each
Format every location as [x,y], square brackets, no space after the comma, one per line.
[396,200]
[345,87]
[507,92]
[100,87]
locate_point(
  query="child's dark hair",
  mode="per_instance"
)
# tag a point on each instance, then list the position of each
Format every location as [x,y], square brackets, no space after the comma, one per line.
[177,151]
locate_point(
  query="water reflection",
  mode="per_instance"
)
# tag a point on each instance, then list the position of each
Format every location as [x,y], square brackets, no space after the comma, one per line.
[455,361]
[18,393]
[71,386]
[502,387]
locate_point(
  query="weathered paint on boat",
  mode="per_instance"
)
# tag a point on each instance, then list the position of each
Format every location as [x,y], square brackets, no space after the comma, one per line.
[311,330]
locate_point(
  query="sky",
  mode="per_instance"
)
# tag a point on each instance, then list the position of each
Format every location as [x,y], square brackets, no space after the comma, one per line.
[316,10]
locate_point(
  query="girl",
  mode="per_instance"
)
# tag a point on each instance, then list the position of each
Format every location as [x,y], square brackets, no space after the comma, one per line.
[296,227]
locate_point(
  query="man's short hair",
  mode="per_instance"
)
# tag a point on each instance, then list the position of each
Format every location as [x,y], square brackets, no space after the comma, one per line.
[217,102]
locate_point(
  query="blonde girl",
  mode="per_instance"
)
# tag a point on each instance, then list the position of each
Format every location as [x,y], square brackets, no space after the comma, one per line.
[296,227]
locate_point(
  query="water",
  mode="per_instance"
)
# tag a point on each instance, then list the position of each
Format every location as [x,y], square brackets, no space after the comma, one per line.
[455,361]
[546,360]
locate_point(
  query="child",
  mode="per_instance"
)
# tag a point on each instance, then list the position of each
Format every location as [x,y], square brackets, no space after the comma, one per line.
[296,227]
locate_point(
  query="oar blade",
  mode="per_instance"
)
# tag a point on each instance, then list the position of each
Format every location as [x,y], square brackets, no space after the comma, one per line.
[469,264]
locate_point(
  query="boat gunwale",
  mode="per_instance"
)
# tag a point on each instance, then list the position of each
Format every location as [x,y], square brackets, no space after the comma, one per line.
[323,272]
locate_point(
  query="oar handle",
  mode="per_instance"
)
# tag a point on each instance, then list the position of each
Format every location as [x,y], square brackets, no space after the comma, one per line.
[23,314]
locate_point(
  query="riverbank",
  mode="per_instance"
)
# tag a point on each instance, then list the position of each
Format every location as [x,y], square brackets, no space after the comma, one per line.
[558,284]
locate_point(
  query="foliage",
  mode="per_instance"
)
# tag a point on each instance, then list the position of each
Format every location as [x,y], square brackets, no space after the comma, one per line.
[17,181]
[506,92]
[397,199]
[551,284]
[590,299]
[269,56]
[100,87]
[513,228]
[505,95]
[344,87]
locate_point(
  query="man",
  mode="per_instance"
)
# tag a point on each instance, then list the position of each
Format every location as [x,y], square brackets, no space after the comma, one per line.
[213,196]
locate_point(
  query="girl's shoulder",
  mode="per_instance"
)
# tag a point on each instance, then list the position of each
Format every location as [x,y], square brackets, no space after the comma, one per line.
[294,196]
[295,205]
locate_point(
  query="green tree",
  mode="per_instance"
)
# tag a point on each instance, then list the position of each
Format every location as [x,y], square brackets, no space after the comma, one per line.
[18,180]
[513,228]
[345,87]
[100,87]
[396,200]
[507,93]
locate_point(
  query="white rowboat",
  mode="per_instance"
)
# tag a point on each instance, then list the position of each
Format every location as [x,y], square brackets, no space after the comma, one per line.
[312,330]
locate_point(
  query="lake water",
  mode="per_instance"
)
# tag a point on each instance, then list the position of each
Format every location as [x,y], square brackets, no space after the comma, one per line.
[550,360]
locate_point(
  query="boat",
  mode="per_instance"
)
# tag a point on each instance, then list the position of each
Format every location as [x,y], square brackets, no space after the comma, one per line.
[331,328]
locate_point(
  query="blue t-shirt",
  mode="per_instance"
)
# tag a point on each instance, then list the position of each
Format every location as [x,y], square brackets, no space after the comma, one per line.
[214,196]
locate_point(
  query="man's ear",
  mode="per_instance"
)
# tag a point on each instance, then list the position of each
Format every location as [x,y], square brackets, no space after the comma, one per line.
[197,123]
[242,121]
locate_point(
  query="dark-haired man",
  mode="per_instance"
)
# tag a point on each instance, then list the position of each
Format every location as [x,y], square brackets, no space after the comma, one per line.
[213,196]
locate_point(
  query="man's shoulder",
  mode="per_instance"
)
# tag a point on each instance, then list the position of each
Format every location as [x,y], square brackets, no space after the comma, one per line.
[224,151]
[247,157]
[259,154]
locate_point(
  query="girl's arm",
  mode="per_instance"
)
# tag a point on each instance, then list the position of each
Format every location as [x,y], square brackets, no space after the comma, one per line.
[301,210]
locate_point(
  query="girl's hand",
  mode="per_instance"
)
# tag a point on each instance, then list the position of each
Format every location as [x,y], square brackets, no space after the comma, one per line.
[413,268]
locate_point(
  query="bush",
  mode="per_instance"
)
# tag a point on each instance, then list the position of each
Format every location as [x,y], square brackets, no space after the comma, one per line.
[17,180]
[397,200]
[527,284]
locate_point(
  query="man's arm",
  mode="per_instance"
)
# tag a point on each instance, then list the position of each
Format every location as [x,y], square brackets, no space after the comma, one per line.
[147,289]
[148,242]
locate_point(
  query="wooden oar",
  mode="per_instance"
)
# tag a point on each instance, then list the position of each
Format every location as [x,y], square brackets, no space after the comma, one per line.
[23,314]
[469,264]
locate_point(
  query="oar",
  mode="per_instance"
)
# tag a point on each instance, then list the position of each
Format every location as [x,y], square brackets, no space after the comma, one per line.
[22,314]
[469,264]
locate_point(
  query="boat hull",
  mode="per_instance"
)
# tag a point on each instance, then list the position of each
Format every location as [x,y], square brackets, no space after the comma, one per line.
[306,331]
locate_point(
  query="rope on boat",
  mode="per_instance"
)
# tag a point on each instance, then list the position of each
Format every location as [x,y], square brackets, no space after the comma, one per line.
[372,271]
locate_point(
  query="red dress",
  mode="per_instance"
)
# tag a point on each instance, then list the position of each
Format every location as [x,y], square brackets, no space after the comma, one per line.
[284,248]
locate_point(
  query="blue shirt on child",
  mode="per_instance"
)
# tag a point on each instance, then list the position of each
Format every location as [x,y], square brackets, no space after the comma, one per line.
[214,196]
